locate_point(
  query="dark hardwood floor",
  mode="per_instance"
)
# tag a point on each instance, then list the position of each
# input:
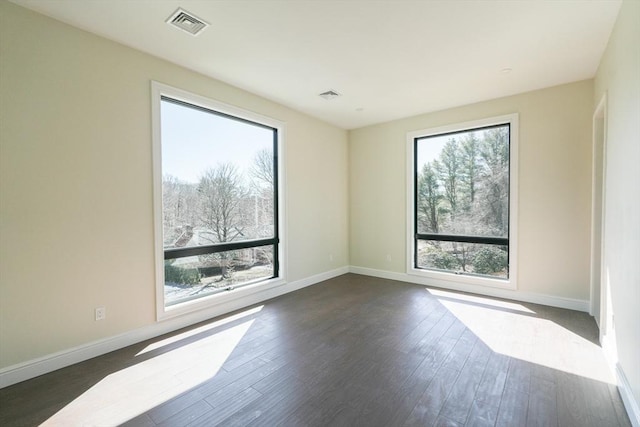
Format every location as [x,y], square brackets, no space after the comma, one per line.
[350,351]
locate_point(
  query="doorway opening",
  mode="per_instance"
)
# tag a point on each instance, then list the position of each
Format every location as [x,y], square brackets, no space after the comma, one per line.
[599,284]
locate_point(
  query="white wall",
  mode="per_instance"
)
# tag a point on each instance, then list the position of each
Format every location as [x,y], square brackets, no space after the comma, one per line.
[619,77]
[76,219]
[554,188]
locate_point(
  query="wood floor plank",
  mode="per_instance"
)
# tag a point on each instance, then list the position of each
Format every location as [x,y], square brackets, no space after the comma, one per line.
[273,407]
[438,353]
[307,415]
[519,376]
[446,422]
[225,378]
[618,406]
[239,358]
[571,403]
[139,421]
[428,407]
[482,414]
[367,407]
[216,416]
[425,345]
[325,407]
[222,396]
[460,400]
[392,372]
[461,351]
[542,403]
[493,381]
[412,339]
[187,415]
[544,372]
[405,400]
[513,408]
[600,405]
[173,406]
[480,353]
[275,379]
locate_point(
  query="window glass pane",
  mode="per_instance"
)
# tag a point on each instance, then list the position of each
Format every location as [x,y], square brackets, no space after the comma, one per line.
[218,178]
[197,276]
[463,183]
[464,258]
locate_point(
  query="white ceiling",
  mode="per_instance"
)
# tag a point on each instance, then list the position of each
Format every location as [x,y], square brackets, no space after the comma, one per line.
[389,59]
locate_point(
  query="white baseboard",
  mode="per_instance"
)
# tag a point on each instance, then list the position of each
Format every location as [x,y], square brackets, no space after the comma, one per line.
[553,301]
[630,403]
[49,363]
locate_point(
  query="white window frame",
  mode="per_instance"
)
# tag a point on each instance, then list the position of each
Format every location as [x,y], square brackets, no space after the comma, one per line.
[217,300]
[450,279]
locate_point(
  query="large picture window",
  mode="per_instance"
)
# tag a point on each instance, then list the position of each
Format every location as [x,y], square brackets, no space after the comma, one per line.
[463,201]
[217,185]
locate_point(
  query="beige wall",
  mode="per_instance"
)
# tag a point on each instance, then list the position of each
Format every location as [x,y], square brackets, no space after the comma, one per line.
[619,77]
[76,219]
[554,187]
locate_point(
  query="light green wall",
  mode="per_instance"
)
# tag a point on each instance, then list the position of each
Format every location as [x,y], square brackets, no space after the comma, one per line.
[554,187]
[76,218]
[619,77]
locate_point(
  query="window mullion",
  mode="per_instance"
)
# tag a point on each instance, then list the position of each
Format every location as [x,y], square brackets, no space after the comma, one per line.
[500,241]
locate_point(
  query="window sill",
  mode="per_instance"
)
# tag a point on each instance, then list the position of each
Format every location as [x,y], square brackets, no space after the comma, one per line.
[216,301]
[452,280]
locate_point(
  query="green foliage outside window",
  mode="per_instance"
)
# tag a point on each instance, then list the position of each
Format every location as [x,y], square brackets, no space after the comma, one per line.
[179,275]
[490,260]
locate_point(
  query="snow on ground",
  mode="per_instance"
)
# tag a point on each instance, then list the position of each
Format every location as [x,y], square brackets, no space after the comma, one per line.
[209,285]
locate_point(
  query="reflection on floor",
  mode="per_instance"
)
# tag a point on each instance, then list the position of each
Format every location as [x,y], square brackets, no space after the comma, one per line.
[354,350]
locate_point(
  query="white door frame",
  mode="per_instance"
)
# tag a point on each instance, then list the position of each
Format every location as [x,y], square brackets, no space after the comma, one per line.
[599,295]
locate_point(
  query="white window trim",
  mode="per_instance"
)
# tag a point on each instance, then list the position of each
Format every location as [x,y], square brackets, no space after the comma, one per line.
[218,300]
[452,280]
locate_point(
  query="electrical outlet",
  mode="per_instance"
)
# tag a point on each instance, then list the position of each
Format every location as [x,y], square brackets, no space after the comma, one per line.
[101,313]
[330,257]
[388,257]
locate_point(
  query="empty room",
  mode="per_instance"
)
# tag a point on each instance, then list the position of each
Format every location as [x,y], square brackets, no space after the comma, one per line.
[320,213]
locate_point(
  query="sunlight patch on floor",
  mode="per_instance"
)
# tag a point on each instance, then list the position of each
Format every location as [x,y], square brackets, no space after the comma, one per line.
[516,331]
[132,391]
[191,332]
[480,300]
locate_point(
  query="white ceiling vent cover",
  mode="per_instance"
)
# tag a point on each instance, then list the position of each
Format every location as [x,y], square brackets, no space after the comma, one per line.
[187,22]
[329,95]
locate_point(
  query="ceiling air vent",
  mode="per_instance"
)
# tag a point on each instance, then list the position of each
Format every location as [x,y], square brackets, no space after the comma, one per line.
[329,95]
[186,21]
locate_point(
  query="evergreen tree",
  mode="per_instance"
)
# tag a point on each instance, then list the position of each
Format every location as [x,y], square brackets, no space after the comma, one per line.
[494,151]
[449,168]
[470,168]
[429,198]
